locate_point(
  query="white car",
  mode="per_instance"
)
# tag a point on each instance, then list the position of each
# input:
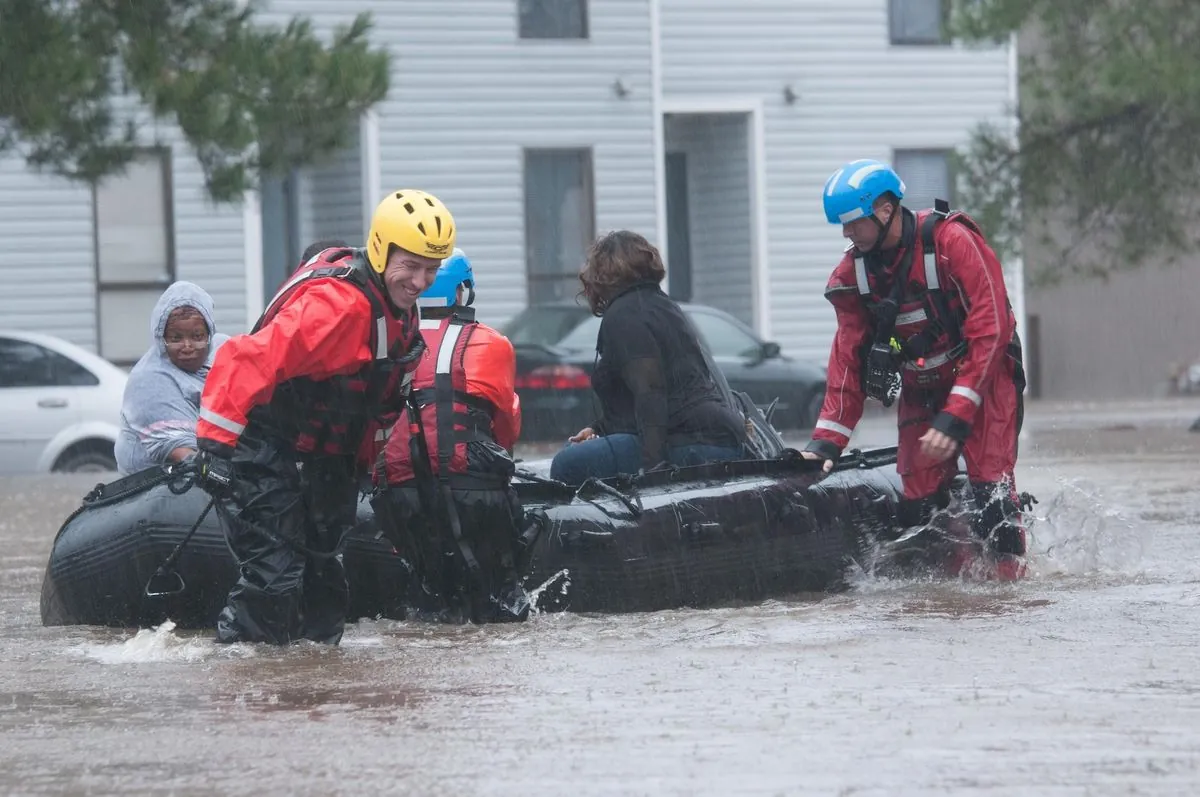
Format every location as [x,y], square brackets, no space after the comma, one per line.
[60,405]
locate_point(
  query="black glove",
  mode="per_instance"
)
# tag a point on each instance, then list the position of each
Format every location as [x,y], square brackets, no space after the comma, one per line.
[213,473]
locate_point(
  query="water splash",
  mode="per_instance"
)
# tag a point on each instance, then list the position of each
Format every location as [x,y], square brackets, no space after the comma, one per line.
[929,553]
[1077,531]
[1080,531]
[554,590]
[160,644]
[372,641]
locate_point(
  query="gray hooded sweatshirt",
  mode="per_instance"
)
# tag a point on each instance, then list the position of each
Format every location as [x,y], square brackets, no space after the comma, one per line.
[162,402]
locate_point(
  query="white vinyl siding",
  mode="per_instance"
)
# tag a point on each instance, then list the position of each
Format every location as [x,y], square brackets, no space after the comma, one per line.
[467,100]
[469,96]
[857,96]
[926,176]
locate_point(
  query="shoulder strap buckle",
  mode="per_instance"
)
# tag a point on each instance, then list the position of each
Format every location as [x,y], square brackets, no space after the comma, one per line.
[332,271]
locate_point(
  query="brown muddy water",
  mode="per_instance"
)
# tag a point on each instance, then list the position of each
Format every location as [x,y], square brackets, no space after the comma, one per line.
[1083,680]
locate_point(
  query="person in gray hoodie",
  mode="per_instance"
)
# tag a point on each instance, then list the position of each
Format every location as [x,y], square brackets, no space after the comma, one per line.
[162,397]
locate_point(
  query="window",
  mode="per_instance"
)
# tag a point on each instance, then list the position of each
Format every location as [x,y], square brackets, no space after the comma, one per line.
[560,221]
[135,252]
[583,337]
[25,364]
[545,325]
[917,21]
[926,176]
[552,19]
[724,338]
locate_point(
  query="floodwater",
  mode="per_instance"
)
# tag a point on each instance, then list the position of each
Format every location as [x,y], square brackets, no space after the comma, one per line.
[1083,680]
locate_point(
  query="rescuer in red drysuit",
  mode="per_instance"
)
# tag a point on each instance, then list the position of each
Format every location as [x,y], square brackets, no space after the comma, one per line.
[444,494]
[285,410]
[922,309]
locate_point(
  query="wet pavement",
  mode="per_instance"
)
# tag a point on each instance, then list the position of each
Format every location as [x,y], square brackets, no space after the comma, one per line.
[1082,680]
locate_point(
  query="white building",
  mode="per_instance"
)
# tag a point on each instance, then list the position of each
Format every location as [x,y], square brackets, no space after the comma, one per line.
[708,126]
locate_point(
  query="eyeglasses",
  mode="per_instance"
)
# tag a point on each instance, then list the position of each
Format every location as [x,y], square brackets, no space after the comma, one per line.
[178,341]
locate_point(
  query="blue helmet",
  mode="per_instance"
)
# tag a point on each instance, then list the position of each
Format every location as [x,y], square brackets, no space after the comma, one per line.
[851,191]
[454,271]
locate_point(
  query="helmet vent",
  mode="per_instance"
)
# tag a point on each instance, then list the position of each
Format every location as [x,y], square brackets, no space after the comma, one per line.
[421,227]
[408,206]
[438,219]
[429,201]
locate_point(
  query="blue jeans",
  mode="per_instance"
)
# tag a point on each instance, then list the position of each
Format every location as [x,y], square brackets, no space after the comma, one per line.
[622,453]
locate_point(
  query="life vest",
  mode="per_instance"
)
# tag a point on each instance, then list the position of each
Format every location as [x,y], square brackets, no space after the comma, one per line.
[330,416]
[926,335]
[441,408]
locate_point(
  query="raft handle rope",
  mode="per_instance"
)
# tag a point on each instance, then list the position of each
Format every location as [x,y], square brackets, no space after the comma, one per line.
[166,580]
[295,545]
[789,460]
[564,490]
[530,476]
[177,478]
[183,478]
[857,459]
[633,504]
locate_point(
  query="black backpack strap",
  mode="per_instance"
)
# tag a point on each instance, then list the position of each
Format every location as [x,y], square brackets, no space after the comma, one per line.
[425,395]
[290,287]
[356,273]
[443,387]
[885,309]
[935,296]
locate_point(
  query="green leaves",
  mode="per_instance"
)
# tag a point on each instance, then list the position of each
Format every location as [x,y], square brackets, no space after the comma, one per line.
[54,97]
[247,98]
[1103,175]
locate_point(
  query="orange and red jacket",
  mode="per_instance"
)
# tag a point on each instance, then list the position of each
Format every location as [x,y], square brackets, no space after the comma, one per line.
[327,356]
[463,385]
[971,282]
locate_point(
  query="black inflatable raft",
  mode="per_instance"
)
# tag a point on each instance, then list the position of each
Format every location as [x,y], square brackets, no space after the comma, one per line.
[699,536]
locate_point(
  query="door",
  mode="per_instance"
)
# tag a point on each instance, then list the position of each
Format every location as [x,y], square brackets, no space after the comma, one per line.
[709,189]
[39,397]
[679,231]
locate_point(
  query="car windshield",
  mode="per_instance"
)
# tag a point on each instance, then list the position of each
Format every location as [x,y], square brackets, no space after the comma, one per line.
[582,337]
[723,337]
[545,326]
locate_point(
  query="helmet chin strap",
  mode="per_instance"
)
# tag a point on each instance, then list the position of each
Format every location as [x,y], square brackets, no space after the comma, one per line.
[884,229]
[469,290]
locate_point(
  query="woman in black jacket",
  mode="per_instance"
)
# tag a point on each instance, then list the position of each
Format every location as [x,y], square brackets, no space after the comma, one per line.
[659,400]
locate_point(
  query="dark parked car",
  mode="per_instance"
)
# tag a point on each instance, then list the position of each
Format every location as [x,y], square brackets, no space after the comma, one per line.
[556,350]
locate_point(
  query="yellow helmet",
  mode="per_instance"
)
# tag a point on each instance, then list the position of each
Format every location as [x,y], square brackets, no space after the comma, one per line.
[412,220]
